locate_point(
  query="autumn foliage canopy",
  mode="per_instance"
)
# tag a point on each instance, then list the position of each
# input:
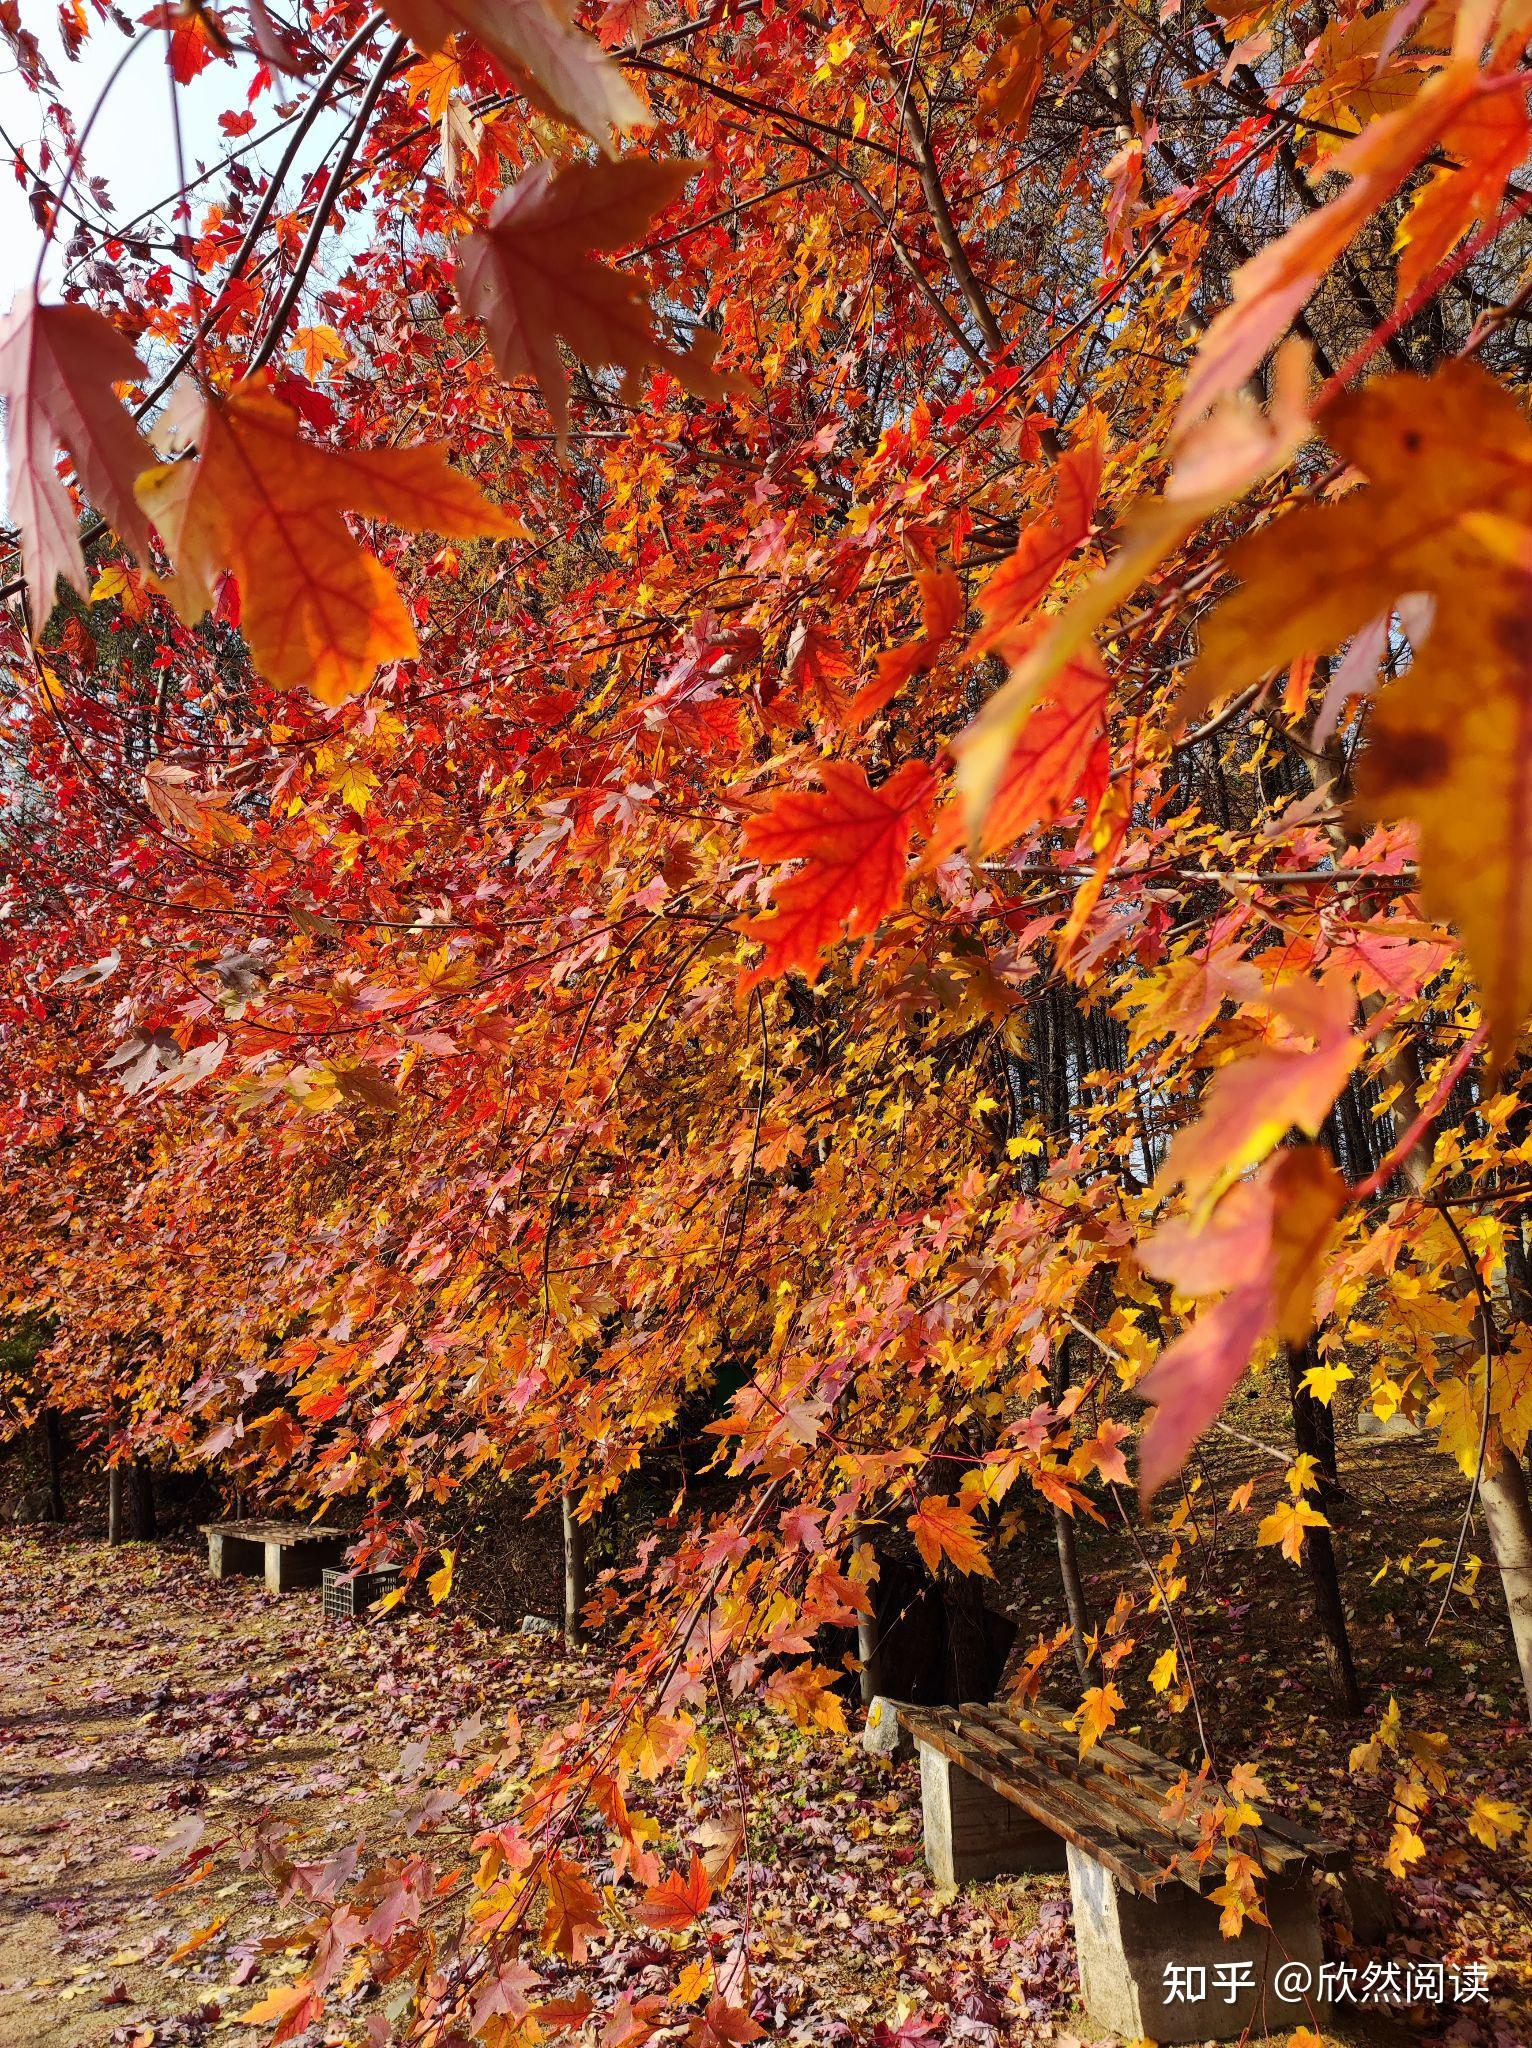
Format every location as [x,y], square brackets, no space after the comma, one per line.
[802,728]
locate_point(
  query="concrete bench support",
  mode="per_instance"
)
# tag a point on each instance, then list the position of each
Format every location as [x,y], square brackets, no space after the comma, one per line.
[234,1557]
[972,1833]
[1126,1941]
[289,1565]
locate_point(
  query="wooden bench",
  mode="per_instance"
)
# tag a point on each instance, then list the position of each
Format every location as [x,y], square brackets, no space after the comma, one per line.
[289,1553]
[1005,1791]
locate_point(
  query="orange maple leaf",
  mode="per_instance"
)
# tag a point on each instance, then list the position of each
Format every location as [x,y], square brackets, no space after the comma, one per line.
[677,1902]
[200,815]
[297,2006]
[1281,278]
[853,841]
[722,2026]
[1253,1102]
[1043,546]
[573,1912]
[942,605]
[804,1693]
[629,2025]
[1060,753]
[317,346]
[943,1529]
[318,611]
[817,666]
[532,276]
[1484,147]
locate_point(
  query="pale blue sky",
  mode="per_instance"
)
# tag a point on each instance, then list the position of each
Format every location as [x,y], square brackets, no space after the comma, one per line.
[132,143]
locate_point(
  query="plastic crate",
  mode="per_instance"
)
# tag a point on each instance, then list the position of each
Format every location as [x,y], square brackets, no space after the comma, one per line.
[347,1595]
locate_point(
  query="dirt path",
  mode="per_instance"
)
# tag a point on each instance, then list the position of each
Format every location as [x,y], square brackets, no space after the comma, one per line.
[147,1714]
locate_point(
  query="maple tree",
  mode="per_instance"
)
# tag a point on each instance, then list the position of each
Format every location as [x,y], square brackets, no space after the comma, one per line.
[809,724]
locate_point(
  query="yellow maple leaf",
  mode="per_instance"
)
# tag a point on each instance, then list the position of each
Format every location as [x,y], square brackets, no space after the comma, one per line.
[122,581]
[1286,1524]
[1098,1710]
[1238,1897]
[354,786]
[1322,1380]
[435,79]
[1163,1676]
[1494,1820]
[317,346]
[1405,1847]
[439,1585]
[693,1981]
[1447,513]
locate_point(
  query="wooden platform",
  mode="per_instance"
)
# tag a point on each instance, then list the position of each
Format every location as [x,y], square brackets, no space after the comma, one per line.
[289,1554]
[1008,1791]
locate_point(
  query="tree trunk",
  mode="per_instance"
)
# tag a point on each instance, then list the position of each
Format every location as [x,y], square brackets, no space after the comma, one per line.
[1508,1515]
[574,1572]
[1076,1599]
[972,1670]
[53,1432]
[143,1523]
[1318,1548]
[114,1504]
[869,1645]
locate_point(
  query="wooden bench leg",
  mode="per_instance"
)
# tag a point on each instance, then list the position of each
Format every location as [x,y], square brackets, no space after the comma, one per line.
[230,1557]
[1222,1988]
[972,1833]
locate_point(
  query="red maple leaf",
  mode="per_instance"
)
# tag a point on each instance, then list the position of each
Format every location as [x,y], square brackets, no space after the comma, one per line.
[853,841]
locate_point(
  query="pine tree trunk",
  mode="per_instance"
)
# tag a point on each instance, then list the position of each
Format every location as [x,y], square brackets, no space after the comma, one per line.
[114,1504]
[1508,1516]
[574,1572]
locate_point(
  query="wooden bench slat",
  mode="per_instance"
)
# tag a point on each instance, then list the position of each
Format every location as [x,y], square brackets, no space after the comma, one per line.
[1127,1786]
[272,1532]
[1057,1752]
[1056,1808]
[1065,1777]
[1129,1869]
[1312,1848]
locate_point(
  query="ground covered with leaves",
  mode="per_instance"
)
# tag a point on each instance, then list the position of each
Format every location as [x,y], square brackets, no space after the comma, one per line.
[186,1767]
[149,1713]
